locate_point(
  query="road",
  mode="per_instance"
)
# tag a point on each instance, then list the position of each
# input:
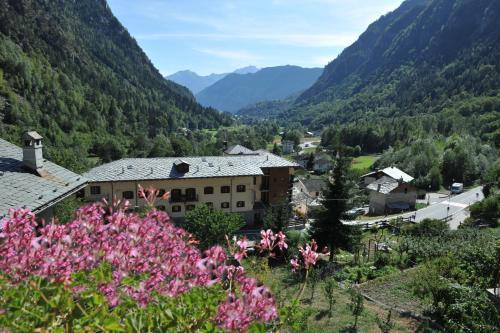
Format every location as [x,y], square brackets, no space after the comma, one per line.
[454,206]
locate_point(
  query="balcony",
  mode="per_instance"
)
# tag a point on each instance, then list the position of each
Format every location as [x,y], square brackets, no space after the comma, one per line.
[184,198]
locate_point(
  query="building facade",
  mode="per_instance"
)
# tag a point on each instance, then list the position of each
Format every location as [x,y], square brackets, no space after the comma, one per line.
[244,184]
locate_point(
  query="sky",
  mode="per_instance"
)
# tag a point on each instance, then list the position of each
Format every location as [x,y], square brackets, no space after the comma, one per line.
[218,36]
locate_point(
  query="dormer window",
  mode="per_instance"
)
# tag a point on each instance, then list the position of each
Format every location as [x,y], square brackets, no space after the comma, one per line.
[181,166]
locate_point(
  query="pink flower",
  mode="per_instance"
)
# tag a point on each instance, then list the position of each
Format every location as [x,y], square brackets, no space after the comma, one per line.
[295,264]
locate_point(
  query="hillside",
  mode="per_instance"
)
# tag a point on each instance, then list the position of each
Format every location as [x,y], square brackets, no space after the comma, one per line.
[433,65]
[194,82]
[236,91]
[71,71]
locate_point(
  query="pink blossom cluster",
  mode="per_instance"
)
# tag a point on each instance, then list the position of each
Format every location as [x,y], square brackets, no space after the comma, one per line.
[309,256]
[270,241]
[150,246]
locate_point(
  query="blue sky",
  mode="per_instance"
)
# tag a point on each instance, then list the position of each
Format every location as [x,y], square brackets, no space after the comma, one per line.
[217,36]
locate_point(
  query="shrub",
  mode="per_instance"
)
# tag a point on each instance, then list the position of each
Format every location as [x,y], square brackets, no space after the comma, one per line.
[111,270]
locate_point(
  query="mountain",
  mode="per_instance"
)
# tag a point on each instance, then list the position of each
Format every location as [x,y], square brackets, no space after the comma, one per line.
[433,65]
[196,83]
[246,70]
[236,91]
[193,81]
[71,71]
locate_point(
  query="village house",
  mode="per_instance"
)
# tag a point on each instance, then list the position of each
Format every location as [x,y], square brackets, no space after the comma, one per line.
[312,187]
[287,146]
[388,195]
[308,194]
[322,163]
[239,150]
[28,180]
[245,184]
[391,172]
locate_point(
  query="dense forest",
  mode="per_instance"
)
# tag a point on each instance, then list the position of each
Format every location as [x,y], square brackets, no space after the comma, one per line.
[71,71]
[431,67]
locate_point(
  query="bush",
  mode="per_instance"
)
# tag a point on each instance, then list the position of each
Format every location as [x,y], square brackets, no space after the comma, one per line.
[109,270]
[210,226]
[427,227]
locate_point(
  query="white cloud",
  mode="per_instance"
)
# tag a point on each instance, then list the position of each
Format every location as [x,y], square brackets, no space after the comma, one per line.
[238,55]
[295,39]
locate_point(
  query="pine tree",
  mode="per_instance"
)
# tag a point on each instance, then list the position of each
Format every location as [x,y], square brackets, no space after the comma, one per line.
[328,230]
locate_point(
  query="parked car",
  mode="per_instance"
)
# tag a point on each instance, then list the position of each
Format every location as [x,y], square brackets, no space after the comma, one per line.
[457,188]
[355,212]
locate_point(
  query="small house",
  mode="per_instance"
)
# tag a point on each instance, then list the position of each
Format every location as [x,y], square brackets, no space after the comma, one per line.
[391,172]
[322,163]
[388,195]
[287,146]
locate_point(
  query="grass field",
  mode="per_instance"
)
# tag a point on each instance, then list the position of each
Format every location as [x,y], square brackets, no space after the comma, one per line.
[395,290]
[315,308]
[363,162]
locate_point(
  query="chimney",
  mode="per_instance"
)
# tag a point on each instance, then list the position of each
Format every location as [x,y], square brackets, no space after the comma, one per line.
[32,151]
[378,187]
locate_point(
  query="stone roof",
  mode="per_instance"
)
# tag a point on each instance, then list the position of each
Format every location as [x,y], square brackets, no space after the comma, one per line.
[129,169]
[393,173]
[21,187]
[387,185]
[314,185]
[239,150]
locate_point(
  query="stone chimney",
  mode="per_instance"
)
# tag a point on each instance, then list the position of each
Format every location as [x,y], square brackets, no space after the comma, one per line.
[32,151]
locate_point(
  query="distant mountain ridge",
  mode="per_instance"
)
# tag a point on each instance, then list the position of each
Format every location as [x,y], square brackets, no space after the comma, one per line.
[236,91]
[196,83]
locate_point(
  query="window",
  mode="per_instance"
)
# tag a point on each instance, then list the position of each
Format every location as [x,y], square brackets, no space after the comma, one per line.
[176,209]
[224,205]
[191,194]
[176,195]
[208,190]
[225,189]
[241,188]
[209,204]
[406,190]
[240,204]
[161,207]
[95,190]
[255,180]
[128,194]
[161,192]
[189,208]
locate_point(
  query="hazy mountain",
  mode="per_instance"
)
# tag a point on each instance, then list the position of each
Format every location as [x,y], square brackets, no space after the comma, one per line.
[425,57]
[236,91]
[246,70]
[71,71]
[197,83]
[193,81]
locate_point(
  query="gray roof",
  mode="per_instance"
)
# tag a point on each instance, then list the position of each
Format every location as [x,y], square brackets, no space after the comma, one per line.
[314,185]
[129,169]
[394,173]
[239,150]
[387,185]
[23,188]
[33,135]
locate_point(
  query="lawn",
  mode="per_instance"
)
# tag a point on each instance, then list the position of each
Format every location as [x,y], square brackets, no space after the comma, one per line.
[363,162]
[314,308]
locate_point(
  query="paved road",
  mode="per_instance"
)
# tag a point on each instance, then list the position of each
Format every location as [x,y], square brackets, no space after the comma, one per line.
[450,206]
[439,209]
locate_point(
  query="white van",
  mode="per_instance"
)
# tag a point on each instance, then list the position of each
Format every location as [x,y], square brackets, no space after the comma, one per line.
[457,188]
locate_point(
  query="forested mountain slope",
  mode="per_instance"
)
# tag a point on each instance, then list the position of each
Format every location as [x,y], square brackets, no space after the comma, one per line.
[71,71]
[236,91]
[429,66]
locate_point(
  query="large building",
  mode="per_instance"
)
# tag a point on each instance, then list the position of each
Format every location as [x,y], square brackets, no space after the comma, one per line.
[244,184]
[28,180]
